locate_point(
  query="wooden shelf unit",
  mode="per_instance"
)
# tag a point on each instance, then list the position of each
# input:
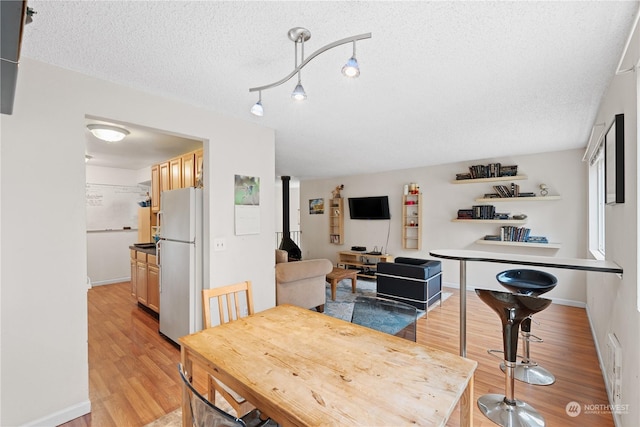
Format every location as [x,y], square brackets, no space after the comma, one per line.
[336,221]
[362,261]
[412,221]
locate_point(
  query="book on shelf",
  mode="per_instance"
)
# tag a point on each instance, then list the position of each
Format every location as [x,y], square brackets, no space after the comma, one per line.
[510,233]
[537,239]
[492,237]
[511,191]
[492,170]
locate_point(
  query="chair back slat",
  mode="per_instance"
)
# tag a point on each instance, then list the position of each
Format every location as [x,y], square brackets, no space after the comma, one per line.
[230,299]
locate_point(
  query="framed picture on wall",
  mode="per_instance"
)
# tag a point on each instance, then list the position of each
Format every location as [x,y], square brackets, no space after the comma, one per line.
[614,161]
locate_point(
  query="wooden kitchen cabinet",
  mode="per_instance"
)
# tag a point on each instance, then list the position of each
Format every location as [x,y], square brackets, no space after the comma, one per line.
[164,183]
[199,164]
[175,173]
[153,284]
[134,265]
[145,279]
[155,188]
[141,277]
[188,169]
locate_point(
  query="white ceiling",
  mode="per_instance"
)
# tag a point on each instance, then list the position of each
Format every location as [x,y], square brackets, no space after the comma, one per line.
[440,81]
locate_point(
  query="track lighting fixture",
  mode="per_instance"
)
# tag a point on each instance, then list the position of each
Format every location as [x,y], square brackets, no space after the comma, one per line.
[299,36]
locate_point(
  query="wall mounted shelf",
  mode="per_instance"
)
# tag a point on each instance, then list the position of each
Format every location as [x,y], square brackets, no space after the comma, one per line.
[517,199]
[522,244]
[493,179]
[492,221]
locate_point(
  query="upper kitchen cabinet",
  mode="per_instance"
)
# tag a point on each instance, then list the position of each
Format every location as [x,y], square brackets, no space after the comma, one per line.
[155,188]
[159,183]
[188,170]
[199,165]
[175,173]
[179,172]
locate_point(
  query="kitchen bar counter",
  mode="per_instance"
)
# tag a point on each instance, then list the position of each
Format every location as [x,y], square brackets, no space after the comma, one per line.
[463,256]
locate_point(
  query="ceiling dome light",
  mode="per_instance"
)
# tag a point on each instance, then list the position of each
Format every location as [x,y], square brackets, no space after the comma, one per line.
[108,133]
[351,68]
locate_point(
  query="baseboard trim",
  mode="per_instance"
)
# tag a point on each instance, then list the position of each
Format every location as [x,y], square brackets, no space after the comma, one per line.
[111,281]
[561,301]
[63,416]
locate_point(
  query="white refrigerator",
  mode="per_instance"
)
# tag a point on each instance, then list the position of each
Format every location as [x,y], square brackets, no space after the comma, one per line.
[179,251]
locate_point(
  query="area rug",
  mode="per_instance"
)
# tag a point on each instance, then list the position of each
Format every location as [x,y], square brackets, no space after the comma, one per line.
[342,307]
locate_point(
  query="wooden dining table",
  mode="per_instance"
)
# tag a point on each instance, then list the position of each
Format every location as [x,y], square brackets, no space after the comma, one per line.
[304,368]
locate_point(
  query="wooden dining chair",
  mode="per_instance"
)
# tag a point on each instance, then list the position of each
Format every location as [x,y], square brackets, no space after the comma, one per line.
[234,301]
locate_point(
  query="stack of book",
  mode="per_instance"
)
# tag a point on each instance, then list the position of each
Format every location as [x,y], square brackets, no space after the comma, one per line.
[488,171]
[504,191]
[537,239]
[465,213]
[510,233]
[478,212]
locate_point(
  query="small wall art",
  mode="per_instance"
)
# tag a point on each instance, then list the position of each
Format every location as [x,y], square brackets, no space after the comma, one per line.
[316,206]
[247,204]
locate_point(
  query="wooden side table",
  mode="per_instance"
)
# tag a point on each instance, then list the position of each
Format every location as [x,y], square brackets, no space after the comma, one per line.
[336,275]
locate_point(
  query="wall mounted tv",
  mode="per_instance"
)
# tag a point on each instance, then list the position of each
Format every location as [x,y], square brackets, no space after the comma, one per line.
[369,207]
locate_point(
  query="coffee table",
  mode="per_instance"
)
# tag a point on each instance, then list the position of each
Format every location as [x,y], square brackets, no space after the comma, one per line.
[336,275]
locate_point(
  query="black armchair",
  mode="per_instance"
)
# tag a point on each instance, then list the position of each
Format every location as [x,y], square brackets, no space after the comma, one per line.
[410,280]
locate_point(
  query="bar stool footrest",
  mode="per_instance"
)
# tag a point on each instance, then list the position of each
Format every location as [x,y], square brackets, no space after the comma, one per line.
[531,373]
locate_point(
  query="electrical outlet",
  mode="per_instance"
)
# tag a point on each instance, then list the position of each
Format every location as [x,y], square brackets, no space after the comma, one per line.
[219,244]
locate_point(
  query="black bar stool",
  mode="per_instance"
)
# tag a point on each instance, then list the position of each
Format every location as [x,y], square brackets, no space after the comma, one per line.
[531,283]
[505,410]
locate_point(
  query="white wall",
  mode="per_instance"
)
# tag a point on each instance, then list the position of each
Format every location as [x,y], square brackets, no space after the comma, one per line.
[107,251]
[613,302]
[561,221]
[44,348]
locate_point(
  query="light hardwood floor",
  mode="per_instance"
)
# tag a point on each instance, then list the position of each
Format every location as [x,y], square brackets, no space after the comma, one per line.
[133,378]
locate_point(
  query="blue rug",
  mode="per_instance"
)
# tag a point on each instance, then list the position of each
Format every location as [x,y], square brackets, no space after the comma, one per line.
[342,307]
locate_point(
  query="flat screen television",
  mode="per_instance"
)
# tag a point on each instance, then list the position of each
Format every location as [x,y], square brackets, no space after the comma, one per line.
[369,207]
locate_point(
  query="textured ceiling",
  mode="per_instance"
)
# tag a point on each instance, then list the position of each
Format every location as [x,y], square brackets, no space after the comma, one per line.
[440,81]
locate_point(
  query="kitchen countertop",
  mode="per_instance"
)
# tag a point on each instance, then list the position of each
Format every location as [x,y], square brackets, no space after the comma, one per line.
[150,251]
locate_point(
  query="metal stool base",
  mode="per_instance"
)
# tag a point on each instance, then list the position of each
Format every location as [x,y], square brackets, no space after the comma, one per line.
[521,414]
[531,373]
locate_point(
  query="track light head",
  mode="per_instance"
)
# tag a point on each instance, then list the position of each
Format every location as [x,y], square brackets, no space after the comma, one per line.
[298,93]
[257,109]
[351,68]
